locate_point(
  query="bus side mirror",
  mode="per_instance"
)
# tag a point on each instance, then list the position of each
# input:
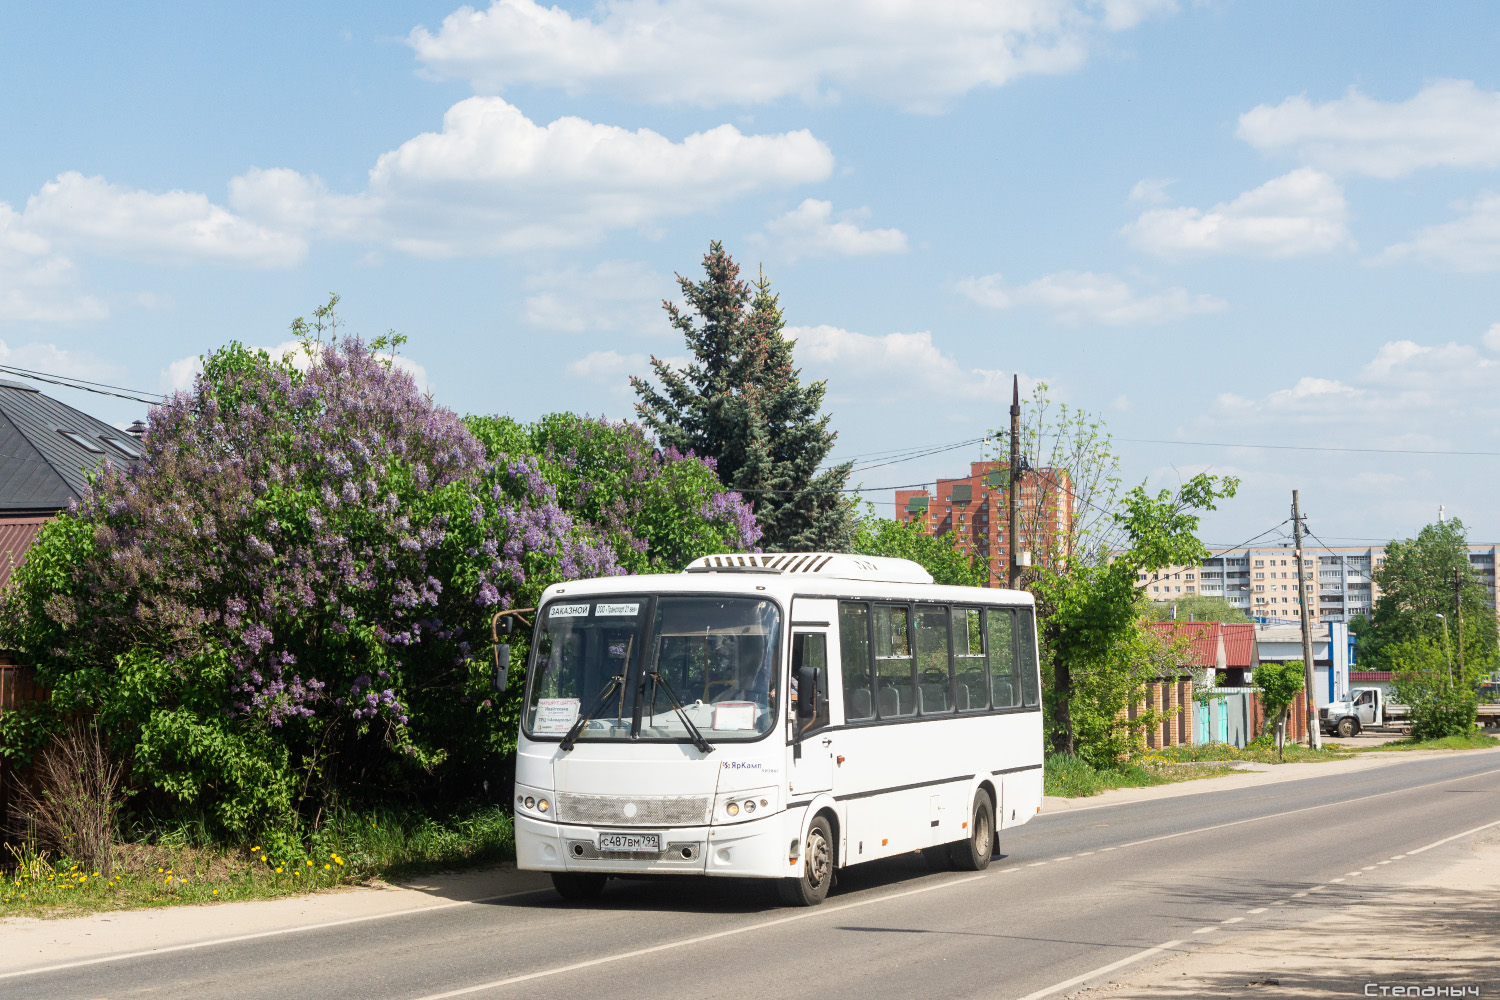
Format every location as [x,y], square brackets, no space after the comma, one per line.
[807,693]
[501,677]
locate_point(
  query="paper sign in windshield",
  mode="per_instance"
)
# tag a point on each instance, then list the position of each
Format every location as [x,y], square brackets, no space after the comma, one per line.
[616,610]
[568,611]
[734,715]
[554,715]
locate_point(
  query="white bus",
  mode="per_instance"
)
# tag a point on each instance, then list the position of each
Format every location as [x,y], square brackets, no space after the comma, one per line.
[774,716]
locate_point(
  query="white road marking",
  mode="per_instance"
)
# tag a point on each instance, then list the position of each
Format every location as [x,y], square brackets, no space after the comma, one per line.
[1354,874]
[1383,862]
[1068,858]
[1298,895]
[1317,888]
[279,932]
[1101,971]
[1232,920]
[808,914]
[1084,854]
[1456,836]
[1258,909]
[1368,868]
[1398,857]
[1279,902]
[1205,930]
[1335,881]
[1036,864]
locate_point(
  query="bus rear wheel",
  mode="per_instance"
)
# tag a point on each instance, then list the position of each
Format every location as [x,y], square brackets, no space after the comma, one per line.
[811,887]
[973,853]
[577,886]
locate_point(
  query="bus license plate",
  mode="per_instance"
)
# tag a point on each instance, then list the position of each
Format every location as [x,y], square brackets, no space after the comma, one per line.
[630,842]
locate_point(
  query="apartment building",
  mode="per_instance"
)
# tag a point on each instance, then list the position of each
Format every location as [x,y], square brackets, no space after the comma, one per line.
[1262,580]
[976,509]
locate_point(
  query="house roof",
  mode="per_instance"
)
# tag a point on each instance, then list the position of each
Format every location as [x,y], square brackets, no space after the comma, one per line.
[1208,641]
[46,446]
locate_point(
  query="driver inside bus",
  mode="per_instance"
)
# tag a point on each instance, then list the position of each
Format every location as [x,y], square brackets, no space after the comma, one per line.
[752,671]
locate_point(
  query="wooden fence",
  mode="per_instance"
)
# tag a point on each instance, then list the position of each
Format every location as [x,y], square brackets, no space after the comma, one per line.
[18,685]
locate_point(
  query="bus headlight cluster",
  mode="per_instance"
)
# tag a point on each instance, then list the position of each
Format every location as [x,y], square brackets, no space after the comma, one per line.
[533,803]
[743,805]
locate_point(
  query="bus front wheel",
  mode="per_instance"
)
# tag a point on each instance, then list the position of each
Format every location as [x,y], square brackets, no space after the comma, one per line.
[576,886]
[811,887]
[973,853]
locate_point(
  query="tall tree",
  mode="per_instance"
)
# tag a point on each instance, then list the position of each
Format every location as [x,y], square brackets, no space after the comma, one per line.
[1416,588]
[741,402]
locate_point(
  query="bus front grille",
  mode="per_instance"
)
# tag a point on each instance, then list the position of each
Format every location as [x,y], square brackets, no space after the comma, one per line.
[633,810]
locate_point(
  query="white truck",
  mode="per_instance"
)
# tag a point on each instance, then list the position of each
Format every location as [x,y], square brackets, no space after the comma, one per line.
[1365,708]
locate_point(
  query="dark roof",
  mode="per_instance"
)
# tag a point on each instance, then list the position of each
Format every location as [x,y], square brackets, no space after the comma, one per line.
[45,446]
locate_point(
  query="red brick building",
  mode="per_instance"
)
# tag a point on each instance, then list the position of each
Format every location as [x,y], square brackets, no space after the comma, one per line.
[976,509]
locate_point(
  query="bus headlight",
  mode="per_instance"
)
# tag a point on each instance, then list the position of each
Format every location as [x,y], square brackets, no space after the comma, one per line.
[733,807]
[542,805]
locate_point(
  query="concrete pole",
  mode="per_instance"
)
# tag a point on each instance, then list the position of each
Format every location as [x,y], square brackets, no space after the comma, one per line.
[1309,675]
[1458,620]
[1015,480]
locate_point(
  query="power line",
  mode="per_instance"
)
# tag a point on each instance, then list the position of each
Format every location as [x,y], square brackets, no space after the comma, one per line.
[1317,447]
[84,385]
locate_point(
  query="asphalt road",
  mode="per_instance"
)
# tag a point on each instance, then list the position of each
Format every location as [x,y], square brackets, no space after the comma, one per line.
[1071,893]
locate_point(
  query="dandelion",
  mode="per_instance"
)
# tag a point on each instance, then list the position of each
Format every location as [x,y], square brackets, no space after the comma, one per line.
[278,870]
[309,864]
[216,892]
[254,849]
[326,867]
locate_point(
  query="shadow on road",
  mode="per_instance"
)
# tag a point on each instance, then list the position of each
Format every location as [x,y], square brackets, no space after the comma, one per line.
[702,894]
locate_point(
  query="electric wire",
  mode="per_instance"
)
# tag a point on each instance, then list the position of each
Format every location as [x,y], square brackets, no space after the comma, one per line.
[99,388]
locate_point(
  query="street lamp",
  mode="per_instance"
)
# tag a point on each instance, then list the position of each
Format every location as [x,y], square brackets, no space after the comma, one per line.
[1446,654]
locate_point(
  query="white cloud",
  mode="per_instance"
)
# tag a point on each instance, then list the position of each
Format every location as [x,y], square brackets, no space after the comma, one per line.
[50,358]
[91,214]
[179,374]
[37,284]
[891,367]
[1469,243]
[1151,191]
[1492,338]
[1407,395]
[1080,297]
[603,367]
[614,295]
[809,231]
[1448,123]
[1302,212]
[918,54]
[492,180]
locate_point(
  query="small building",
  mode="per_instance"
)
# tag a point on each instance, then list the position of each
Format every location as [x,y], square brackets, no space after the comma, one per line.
[47,450]
[1331,659]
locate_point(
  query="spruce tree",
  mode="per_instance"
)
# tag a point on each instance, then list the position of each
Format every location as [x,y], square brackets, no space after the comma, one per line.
[741,402]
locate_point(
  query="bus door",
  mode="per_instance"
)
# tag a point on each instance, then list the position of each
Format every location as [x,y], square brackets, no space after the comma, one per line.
[810,749]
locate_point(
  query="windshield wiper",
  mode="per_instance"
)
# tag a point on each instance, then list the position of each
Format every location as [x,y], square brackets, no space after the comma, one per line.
[698,740]
[609,688]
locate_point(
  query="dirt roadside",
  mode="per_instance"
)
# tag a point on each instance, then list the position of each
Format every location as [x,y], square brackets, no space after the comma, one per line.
[1440,930]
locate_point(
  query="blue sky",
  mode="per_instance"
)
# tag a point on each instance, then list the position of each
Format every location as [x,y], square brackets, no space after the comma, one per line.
[1260,223]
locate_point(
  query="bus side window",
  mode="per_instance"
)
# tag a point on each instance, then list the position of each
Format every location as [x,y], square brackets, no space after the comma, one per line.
[1026,654]
[971,685]
[895,684]
[934,694]
[854,655]
[1001,647]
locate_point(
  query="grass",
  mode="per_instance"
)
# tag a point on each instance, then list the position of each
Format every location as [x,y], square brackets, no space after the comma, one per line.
[1073,777]
[354,849]
[1477,741]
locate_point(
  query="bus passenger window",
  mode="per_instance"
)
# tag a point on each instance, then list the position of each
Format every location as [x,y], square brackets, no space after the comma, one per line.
[1026,654]
[970,684]
[1004,690]
[854,654]
[932,661]
[895,688]
[811,650]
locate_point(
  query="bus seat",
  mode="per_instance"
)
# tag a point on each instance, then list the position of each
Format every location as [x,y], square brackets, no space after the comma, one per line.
[934,698]
[963,696]
[890,702]
[861,705]
[1005,693]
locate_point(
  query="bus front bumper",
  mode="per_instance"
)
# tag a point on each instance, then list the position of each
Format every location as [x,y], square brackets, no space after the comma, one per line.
[756,848]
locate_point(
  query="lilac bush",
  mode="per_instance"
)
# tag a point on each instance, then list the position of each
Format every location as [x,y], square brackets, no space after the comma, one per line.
[289,599]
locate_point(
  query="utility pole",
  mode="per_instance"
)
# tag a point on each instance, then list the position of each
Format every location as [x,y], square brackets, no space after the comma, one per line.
[1309,675]
[1458,619]
[1015,480]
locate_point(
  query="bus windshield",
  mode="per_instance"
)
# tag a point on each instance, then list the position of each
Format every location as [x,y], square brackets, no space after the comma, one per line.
[716,656]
